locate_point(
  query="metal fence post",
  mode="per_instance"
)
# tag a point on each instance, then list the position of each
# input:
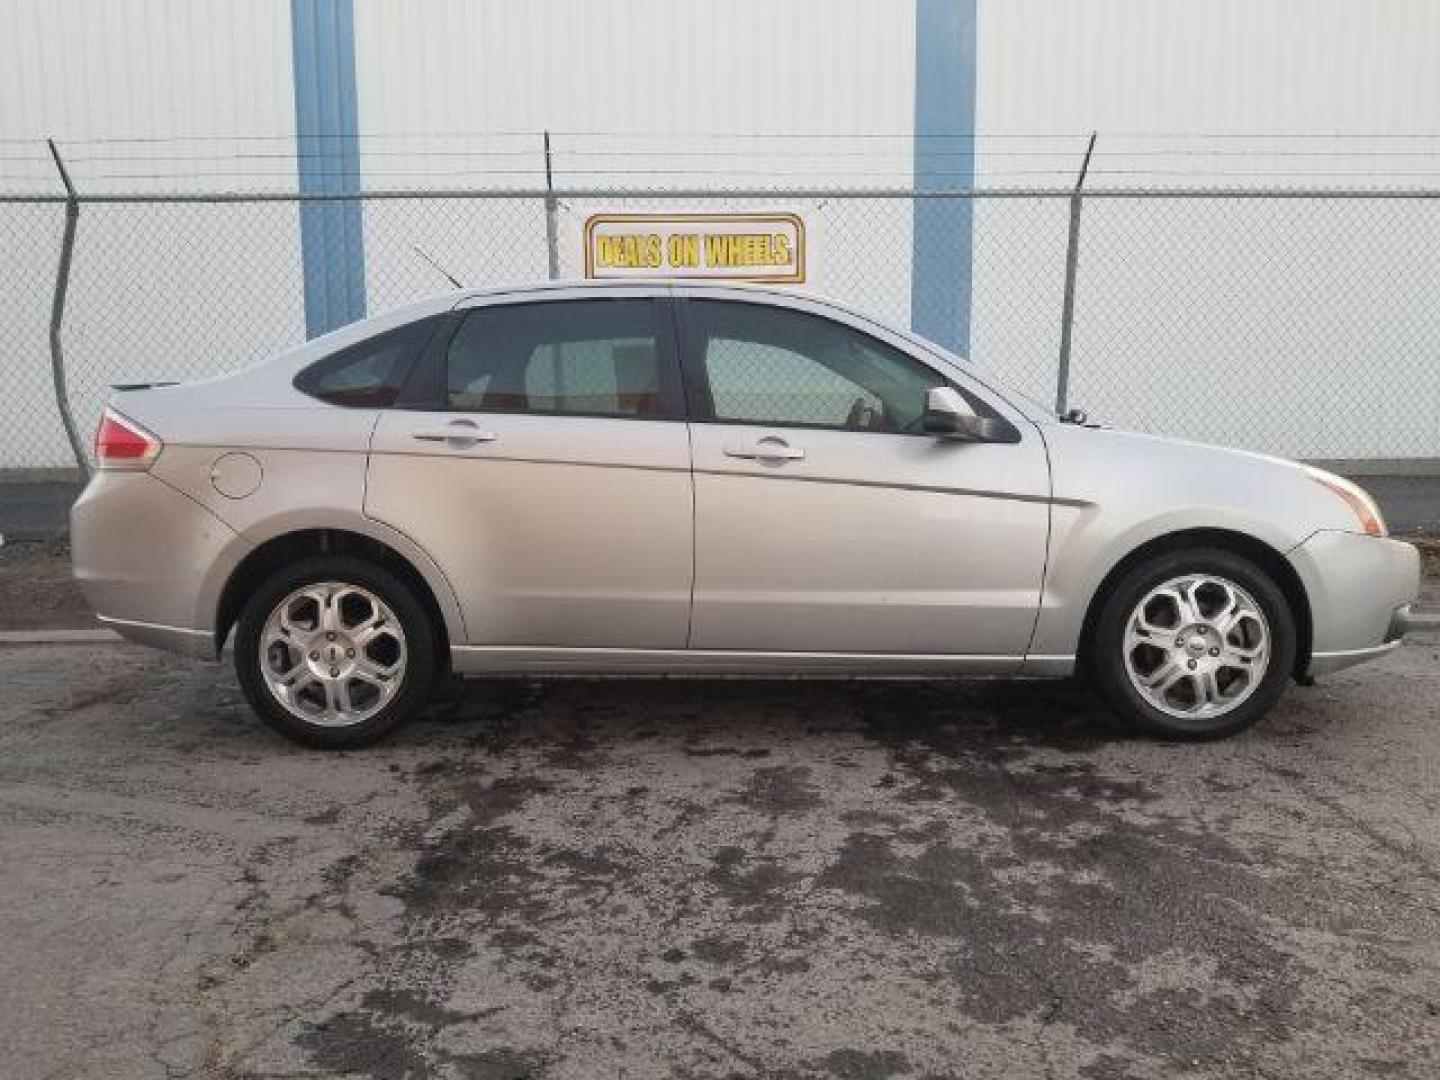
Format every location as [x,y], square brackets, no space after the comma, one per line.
[57,314]
[1067,311]
[552,206]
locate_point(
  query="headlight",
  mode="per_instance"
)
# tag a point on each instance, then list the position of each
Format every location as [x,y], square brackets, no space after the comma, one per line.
[1356,497]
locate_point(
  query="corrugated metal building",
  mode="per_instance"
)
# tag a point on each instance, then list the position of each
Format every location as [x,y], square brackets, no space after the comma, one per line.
[212,95]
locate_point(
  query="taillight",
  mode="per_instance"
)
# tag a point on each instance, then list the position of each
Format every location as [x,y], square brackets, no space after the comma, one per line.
[120,443]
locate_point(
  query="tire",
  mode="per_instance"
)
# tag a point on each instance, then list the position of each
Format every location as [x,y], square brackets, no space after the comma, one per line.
[380,642]
[1226,657]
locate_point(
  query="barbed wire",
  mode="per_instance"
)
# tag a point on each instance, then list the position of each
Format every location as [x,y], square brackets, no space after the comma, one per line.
[1079,136]
[960,164]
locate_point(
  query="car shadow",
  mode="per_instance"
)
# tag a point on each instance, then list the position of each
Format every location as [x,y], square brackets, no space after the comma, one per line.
[948,717]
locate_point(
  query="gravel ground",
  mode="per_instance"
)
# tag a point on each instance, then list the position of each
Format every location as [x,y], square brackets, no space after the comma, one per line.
[36,589]
[714,880]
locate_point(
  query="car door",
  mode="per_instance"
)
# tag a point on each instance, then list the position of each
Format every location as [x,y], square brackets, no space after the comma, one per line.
[825,520]
[543,462]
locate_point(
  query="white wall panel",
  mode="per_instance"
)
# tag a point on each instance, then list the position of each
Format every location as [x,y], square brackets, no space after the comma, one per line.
[1290,327]
[1228,66]
[144,96]
[177,90]
[637,93]
[749,66]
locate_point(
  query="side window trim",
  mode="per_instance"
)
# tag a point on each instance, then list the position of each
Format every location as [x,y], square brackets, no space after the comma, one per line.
[699,409]
[673,404]
[428,387]
[424,390]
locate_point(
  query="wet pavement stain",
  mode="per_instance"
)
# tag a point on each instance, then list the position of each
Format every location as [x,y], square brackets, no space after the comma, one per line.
[714,880]
[1047,915]
[1037,886]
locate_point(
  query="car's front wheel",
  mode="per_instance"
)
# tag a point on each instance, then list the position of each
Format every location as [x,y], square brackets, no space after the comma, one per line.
[334,652]
[1195,644]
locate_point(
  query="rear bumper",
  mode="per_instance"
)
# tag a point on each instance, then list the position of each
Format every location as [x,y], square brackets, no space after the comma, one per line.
[196,643]
[1360,589]
[144,556]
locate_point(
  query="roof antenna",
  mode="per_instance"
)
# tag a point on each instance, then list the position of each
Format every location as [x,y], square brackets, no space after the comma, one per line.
[440,269]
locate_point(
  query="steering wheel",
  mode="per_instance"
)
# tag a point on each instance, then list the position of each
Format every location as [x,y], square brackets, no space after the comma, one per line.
[864,416]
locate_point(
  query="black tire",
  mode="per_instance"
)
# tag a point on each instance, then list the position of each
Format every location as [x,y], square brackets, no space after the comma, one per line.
[1106,663]
[416,681]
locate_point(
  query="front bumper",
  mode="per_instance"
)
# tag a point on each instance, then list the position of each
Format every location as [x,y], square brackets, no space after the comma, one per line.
[145,556]
[1360,589]
[1415,622]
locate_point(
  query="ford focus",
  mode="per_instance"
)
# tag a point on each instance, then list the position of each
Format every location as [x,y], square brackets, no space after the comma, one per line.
[701,479]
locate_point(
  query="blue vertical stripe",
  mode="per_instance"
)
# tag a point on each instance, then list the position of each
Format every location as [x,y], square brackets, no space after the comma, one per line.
[945,46]
[327,137]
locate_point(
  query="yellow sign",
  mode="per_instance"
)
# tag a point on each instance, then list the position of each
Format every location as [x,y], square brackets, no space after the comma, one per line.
[731,247]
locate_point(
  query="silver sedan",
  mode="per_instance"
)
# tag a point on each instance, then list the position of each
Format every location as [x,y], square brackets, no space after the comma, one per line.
[678,479]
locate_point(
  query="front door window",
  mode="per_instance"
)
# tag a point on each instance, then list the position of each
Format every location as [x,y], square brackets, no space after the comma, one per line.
[776,366]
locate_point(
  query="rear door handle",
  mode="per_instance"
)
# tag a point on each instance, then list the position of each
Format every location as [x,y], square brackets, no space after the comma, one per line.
[769,448]
[457,431]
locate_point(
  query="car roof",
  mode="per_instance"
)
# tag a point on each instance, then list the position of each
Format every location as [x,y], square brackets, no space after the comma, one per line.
[631,286]
[644,284]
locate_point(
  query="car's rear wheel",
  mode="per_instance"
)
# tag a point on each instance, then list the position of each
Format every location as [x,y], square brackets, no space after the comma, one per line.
[334,652]
[1194,644]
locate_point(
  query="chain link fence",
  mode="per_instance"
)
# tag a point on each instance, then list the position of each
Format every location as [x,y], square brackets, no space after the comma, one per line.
[1301,324]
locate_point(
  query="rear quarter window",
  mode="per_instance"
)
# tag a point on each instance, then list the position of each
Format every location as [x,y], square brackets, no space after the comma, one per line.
[368,374]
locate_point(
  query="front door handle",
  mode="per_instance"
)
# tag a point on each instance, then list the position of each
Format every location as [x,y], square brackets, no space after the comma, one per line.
[770,448]
[464,432]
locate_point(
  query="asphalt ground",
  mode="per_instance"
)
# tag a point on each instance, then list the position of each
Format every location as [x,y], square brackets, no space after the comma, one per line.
[713,880]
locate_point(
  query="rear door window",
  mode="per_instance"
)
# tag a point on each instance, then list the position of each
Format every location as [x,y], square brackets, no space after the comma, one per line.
[563,357]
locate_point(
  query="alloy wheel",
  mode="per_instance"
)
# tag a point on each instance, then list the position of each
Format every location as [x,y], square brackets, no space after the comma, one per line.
[333,654]
[1197,646]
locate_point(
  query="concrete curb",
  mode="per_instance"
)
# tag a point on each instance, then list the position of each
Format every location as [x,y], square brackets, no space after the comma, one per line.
[96,636]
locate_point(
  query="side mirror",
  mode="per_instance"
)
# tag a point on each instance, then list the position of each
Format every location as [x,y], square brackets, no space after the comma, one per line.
[949,416]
